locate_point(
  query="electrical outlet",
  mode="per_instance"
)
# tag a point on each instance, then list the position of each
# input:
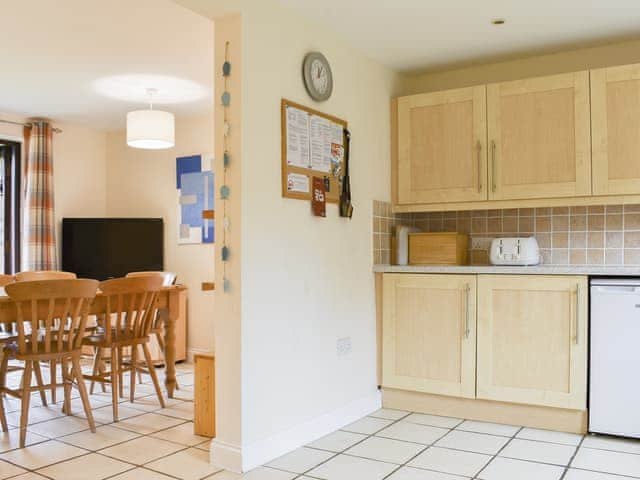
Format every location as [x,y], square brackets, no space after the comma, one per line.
[480,243]
[343,346]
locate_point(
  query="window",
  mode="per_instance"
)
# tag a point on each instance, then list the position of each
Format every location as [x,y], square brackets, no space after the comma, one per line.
[10,188]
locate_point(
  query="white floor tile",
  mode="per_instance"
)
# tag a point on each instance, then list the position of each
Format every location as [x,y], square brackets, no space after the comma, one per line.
[473,442]
[612,443]
[182,434]
[183,410]
[337,441]
[451,461]
[88,467]
[105,436]
[607,461]
[389,414]
[539,452]
[300,460]
[190,464]
[141,474]
[42,454]
[345,467]
[260,473]
[573,474]
[60,426]
[433,420]
[11,440]
[148,423]
[412,432]
[105,414]
[549,436]
[36,414]
[489,428]
[408,473]
[508,469]
[385,450]
[141,450]
[7,470]
[29,476]
[367,425]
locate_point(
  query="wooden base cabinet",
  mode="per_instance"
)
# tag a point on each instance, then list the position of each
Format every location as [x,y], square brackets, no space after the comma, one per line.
[532,340]
[429,341]
[204,421]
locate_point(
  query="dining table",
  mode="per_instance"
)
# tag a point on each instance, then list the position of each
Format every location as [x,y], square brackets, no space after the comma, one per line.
[168,304]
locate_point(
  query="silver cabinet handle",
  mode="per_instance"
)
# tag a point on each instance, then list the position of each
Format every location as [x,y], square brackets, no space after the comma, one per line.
[577,337]
[467,328]
[493,165]
[479,151]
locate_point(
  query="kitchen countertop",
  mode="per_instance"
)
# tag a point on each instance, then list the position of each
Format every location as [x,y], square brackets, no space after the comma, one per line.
[604,270]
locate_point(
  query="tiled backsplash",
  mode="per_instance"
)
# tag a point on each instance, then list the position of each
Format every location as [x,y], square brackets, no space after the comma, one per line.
[595,235]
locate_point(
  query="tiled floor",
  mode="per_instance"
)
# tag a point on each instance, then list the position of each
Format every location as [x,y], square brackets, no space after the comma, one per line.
[148,443]
[396,445]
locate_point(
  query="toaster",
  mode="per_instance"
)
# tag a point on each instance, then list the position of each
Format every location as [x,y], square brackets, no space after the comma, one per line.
[514,251]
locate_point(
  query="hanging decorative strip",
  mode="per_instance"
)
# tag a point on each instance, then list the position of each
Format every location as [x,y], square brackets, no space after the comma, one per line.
[225,100]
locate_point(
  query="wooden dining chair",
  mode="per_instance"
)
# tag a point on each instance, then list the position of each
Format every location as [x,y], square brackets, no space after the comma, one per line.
[51,317]
[131,305]
[38,275]
[34,275]
[157,329]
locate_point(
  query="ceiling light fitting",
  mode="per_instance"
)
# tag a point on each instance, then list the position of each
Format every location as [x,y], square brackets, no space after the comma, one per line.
[150,129]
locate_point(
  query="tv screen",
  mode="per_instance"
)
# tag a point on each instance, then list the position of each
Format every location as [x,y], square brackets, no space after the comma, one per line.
[103,248]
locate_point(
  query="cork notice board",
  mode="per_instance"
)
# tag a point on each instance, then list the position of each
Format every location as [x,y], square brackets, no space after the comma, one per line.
[312,146]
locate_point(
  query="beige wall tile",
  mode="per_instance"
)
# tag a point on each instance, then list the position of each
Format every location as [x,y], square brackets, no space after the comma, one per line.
[560,210]
[631,240]
[559,240]
[578,223]
[578,240]
[510,224]
[613,240]
[479,225]
[560,223]
[543,224]
[613,208]
[560,256]
[494,225]
[613,256]
[631,221]
[613,222]
[543,211]
[525,224]
[632,208]
[578,210]
[631,257]
[577,257]
[595,239]
[595,209]
[595,222]
[544,240]
[595,257]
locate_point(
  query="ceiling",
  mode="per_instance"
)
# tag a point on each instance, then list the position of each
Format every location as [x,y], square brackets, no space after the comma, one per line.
[419,35]
[89,61]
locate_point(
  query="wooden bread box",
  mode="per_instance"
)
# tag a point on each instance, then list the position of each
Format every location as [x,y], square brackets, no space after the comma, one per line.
[438,248]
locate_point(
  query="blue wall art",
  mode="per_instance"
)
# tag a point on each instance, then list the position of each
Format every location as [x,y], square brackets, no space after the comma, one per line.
[194,181]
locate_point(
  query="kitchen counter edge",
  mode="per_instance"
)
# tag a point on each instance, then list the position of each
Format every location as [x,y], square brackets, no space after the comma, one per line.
[594,270]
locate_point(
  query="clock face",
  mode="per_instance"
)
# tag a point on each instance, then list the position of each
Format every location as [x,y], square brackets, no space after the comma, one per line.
[317,76]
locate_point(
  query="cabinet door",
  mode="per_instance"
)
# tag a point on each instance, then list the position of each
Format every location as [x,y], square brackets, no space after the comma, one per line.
[429,333]
[615,123]
[442,155]
[539,137]
[532,340]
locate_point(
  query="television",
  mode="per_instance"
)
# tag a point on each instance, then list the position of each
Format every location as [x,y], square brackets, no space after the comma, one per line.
[103,248]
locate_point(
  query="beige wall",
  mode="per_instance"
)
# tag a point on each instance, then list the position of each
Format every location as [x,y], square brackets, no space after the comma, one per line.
[568,61]
[79,169]
[141,183]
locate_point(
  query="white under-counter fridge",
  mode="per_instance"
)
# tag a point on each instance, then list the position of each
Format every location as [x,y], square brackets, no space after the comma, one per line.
[614,378]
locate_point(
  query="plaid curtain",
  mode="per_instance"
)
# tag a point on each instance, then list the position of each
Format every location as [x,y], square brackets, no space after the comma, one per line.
[39,250]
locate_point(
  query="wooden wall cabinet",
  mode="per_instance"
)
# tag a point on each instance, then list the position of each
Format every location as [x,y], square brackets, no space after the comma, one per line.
[615,118]
[429,341]
[442,154]
[539,137]
[532,340]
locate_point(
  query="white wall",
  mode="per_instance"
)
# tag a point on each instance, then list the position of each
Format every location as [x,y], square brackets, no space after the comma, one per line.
[142,183]
[306,281]
[79,169]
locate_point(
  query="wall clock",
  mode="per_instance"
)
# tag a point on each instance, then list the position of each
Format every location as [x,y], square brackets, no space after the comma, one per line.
[317,75]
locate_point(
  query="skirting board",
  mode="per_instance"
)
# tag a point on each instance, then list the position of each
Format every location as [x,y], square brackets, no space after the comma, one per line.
[573,421]
[263,451]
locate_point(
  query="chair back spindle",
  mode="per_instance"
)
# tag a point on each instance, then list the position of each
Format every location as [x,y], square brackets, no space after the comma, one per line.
[51,315]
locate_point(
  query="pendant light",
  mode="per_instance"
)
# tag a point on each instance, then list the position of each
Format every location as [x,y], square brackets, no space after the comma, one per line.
[150,129]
